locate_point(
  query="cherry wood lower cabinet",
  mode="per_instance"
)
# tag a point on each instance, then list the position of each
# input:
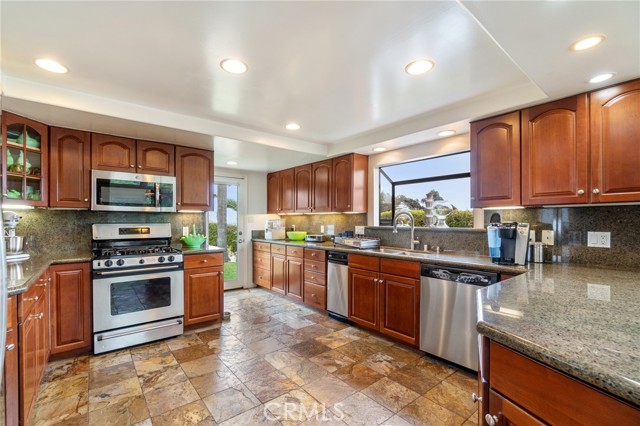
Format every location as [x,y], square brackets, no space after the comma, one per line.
[262,264]
[315,278]
[34,343]
[11,389]
[203,288]
[71,323]
[517,390]
[384,295]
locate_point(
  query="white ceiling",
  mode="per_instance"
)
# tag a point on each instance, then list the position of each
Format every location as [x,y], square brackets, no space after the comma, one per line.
[150,69]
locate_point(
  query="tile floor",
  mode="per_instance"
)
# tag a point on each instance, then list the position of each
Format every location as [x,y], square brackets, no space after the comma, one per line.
[274,363]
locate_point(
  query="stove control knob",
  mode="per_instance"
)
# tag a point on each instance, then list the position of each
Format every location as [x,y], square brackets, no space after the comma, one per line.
[120,262]
[141,261]
[171,258]
[161,259]
[108,263]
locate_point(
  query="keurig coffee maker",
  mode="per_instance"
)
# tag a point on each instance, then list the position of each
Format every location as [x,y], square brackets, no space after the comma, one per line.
[508,243]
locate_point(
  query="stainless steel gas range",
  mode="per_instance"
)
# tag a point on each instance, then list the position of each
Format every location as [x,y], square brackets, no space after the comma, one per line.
[138,285]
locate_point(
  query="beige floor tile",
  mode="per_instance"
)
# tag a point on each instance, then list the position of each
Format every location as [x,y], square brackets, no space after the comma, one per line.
[332,360]
[63,369]
[200,366]
[258,416]
[144,352]
[251,369]
[359,410]
[452,398]
[304,372]
[210,383]
[390,394]
[464,380]
[265,346]
[383,363]
[230,402]
[156,362]
[310,348]
[325,418]
[294,407]
[396,421]
[62,409]
[158,379]
[417,379]
[436,368]
[193,414]
[113,374]
[125,412]
[335,340]
[169,397]
[186,340]
[270,386]
[358,376]
[194,352]
[108,395]
[283,358]
[329,390]
[424,412]
[64,387]
[357,350]
[110,359]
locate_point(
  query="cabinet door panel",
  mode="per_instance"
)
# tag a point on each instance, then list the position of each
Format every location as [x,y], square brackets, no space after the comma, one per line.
[194,176]
[400,308]
[294,277]
[509,413]
[203,295]
[28,367]
[302,189]
[615,151]
[155,158]
[278,273]
[113,153]
[70,168]
[11,366]
[342,183]
[554,152]
[364,298]
[273,193]
[321,194]
[287,190]
[71,307]
[495,161]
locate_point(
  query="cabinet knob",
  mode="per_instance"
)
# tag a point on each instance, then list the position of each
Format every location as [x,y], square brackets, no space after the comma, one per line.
[86,200]
[313,295]
[473,198]
[132,165]
[475,398]
[179,204]
[375,280]
[221,273]
[313,255]
[139,166]
[204,261]
[596,191]
[10,347]
[491,420]
[580,191]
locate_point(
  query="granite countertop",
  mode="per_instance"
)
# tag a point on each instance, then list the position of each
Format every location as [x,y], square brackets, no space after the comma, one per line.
[582,321]
[199,250]
[21,274]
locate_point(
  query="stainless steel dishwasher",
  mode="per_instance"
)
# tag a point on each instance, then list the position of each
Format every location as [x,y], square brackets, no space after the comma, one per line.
[338,285]
[448,312]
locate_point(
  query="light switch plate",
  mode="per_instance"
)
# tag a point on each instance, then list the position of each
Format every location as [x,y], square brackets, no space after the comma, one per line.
[331,230]
[547,237]
[185,230]
[599,239]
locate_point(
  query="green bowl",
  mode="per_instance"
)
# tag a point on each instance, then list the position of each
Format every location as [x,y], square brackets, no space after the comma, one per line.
[296,235]
[192,240]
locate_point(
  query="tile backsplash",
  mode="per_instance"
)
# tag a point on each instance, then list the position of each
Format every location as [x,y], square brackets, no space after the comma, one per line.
[312,223]
[61,230]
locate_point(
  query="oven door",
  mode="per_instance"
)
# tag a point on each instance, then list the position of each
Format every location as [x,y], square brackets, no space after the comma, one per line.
[137,298]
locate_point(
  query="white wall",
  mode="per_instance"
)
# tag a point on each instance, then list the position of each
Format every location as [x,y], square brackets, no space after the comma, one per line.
[457,143]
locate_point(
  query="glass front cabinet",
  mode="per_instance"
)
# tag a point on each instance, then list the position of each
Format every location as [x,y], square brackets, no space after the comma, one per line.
[24,161]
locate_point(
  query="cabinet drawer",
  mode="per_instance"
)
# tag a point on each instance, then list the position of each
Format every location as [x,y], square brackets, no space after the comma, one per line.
[403,268]
[315,254]
[29,298]
[262,259]
[203,260]
[369,263]
[315,266]
[278,249]
[262,246]
[552,396]
[262,277]
[315,277]
[315,295]
[295,251]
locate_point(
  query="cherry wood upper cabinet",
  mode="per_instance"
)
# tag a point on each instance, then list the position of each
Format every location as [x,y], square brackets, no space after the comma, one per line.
[155,158]
[287,190]
[303,189]
[615,143]
[194,179]
[69,168]
[321,184]
[113,153]
[555,139]
[349,187]
[273,193]
[495,161]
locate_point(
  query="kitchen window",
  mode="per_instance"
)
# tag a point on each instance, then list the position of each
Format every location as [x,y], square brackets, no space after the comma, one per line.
[436,190]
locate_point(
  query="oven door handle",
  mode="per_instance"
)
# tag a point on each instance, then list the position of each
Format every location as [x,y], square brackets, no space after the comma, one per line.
[127,271]
[126,333]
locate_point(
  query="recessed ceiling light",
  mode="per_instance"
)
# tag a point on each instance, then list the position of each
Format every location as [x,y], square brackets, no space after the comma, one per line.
[51,66]
[602,77]
[380,149]
[292,126]
[587,42]
[234,66]
[447,133]
[232,163]
[419,66]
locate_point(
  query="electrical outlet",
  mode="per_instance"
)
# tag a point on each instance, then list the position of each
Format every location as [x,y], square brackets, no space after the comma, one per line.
[330,229]
[599,239]
[359,230]
[547,237]
[532,236]
[185,230]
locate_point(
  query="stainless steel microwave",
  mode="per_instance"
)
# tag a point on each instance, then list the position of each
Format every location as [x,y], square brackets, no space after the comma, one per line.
[131,192]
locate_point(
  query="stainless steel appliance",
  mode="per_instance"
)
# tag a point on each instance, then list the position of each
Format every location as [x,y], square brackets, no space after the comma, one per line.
[358,242]
[314,238]
[118,191]
[448,312]
[338,285]
[14,244]
[138,285]
[513,240]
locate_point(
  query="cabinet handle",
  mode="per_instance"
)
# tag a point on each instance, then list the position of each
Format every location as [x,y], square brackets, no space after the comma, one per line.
[580,191]
[475,398]
[596,191]
[10,347]
[491,420]
[32,298]
[39,316]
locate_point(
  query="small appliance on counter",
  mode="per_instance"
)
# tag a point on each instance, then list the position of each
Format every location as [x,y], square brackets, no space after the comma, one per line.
[275,229]
[14,244]
[508,243]
[359,243]
[314,238]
